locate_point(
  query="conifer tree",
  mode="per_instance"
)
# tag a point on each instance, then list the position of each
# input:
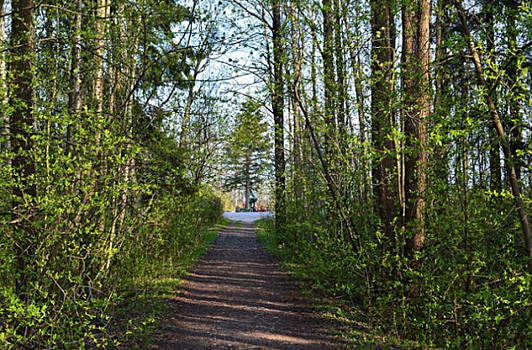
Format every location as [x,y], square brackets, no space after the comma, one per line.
[247,150]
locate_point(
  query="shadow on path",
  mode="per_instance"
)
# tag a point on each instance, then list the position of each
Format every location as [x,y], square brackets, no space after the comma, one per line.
[237,298]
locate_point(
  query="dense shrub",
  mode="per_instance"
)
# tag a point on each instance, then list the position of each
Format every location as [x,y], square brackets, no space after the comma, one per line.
[101,223]
[468,289]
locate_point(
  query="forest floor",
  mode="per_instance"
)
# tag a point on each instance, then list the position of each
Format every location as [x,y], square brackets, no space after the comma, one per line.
[237,297]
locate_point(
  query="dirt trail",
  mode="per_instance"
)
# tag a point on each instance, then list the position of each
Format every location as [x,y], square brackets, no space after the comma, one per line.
[238,298]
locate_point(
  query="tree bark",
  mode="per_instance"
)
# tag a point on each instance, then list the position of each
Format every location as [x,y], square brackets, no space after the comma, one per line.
[341,83]
[4,120]
[382,97]
[416,102]
[332,185]
[22,121]
[495,147]
[329,77]
[74,93]
[515,120]
[99,67]
[278,115]
[298,146]
[440,157]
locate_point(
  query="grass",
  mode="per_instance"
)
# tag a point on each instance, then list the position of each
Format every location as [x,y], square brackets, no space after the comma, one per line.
[354,325]
[139,313]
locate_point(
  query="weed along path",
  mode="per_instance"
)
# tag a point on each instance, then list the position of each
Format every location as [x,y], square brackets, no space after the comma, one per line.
[238,298]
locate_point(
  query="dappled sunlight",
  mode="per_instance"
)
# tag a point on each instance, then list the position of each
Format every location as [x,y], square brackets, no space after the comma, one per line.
[237,298]
[278,338]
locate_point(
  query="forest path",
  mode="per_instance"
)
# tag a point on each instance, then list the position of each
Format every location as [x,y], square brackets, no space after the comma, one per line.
[238,298]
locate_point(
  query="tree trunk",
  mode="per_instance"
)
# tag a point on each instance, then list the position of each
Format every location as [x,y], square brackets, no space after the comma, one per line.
[22,122]
[22,119]
[299,186]
[341,84]
[329,78]
[494,147]
[99,67]
[382,101]
[74,93]
[360,100]
[278,115]
[517,91]
[509,162]
[191,96]
[440,157]
[4,122]
[357,77]
[416,109]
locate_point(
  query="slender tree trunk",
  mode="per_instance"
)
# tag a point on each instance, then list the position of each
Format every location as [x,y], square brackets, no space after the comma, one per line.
[332,185]
[4,120]
[357,77]
[342,161]
[125,82]
[278,114]
[99,67]
[22,122]
[354,56]
[91,242]
[191,96]
[509,162]
[517,91]
[341,93]
[298,125]
[22,119]
[329,78]
[440,158]
[495,147]
[382,106]
[416,102]
[74,93]
[247,185]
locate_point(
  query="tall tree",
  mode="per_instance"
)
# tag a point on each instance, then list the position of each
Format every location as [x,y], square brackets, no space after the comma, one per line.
[516,85]
[382,108]
[511,172]
[416,108]
[277,92]
[329,77]
[495,148]
[247,150]
[339,8]
[100,30]
[4,127]
[21,124]
[21,69]
[75,82]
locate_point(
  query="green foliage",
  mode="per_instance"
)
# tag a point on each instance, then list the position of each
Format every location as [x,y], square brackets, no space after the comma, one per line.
[155,263]
[170,233]
[465,292]
[467,289]
[97,228]
[113,210]
[247,148]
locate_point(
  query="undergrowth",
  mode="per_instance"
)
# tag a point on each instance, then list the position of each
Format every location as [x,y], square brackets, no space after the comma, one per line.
[140,311]
[468,288]
[355,326]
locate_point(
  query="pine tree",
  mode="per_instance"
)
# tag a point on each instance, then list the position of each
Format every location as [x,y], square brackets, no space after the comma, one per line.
[248,150]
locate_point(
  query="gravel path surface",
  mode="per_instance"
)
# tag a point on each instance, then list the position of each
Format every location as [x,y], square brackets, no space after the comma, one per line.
[237,298]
